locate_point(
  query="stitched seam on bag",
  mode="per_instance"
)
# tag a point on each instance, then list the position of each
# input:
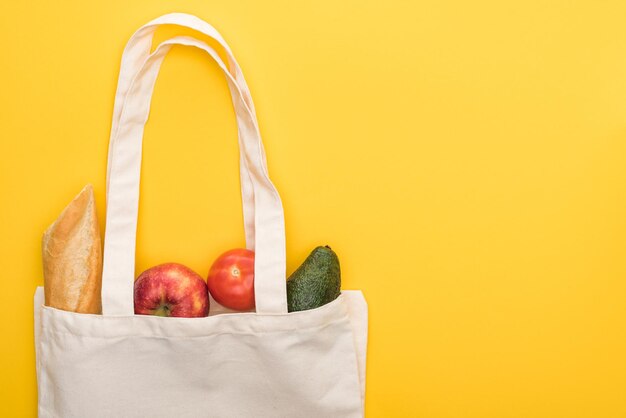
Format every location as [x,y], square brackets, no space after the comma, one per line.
[357,373]
[45,410]
[240,314]
[183,337]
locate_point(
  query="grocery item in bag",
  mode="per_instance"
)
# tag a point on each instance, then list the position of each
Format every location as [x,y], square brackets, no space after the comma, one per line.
[72,257]
[316,282]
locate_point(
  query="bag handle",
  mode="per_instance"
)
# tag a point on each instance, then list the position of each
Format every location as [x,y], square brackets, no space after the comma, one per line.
[123,193]
[137,51]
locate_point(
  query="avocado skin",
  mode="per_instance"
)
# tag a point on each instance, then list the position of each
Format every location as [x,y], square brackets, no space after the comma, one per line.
[316,282]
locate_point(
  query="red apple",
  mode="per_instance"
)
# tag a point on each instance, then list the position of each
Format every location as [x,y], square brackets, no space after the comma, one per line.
[171,289]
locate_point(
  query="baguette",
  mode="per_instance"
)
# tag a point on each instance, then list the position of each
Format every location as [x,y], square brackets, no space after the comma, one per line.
[72,257]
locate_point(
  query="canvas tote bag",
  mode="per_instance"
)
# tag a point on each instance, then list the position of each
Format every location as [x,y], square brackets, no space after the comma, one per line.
[268,363]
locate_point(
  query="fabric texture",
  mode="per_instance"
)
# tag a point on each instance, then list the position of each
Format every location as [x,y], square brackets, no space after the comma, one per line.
[267,363]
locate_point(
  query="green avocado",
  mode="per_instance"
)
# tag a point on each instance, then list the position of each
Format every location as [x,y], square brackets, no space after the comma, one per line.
[316,282]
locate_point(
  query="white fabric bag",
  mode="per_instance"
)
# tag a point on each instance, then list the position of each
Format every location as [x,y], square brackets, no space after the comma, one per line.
[269,363]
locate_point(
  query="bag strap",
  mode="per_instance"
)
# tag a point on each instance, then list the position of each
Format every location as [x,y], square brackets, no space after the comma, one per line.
[137,51]
[123,192]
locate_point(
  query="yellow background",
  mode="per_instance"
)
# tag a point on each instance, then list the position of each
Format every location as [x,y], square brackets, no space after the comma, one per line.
[467,161]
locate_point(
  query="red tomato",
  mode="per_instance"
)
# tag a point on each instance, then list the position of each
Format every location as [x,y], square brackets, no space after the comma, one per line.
[231,279]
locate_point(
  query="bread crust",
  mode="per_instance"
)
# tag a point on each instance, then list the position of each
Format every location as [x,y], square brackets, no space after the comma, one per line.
[72,257]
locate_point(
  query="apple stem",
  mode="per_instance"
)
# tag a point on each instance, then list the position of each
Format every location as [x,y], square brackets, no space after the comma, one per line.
[163,311]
